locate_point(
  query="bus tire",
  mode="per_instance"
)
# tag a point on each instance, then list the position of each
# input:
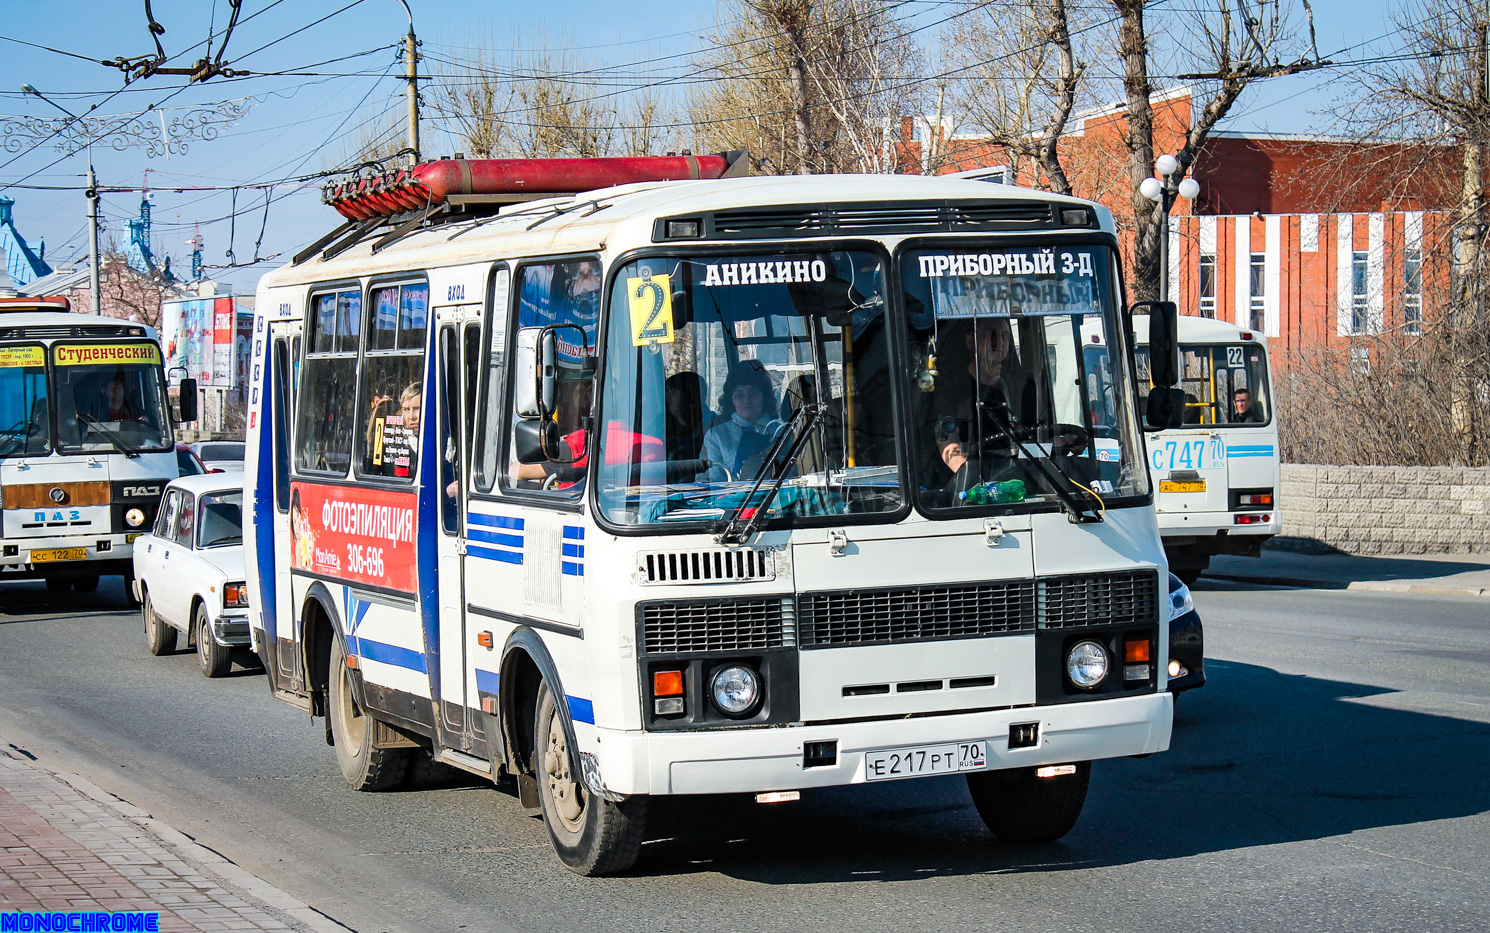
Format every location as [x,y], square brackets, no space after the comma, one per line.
[59,585]
[1019,807]
[212,658]
[158,635]
[591,836]
[363,766]
[85,584]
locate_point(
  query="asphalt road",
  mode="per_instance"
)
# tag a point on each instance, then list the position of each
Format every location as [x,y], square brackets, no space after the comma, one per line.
[1333,775]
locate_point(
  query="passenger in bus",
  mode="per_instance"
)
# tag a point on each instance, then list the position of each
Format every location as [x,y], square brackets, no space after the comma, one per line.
[1243,411]
[687,418]
[735,448]
[115,403]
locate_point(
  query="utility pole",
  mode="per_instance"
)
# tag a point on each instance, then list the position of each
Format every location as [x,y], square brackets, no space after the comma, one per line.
[94,288]
[411,69]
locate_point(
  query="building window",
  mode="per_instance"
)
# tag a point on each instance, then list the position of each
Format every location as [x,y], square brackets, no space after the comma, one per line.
[1359,302]
[1412,291]
[1208,285]
[1360,360]
[1258,280]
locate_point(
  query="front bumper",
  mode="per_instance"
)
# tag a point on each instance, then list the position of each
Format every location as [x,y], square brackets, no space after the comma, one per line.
[102,554]
[1187,646]
[231,631]
[765,759]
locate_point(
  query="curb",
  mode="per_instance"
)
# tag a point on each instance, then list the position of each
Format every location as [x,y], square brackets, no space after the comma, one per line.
[1373,586]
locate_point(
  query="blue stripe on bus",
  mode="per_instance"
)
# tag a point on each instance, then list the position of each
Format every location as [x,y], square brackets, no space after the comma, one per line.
[581,710]
[391,655]
[1250,448]
[574,550]
[494,537]
[574,531]
[506,557]
[495,521]
[486,681]
[572,569]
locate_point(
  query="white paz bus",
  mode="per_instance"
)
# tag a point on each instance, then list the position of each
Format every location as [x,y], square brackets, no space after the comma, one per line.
[86,442]
[1218,472]
[711,486]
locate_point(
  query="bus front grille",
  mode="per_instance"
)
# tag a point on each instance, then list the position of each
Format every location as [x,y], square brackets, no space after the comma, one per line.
[698,625]
[917,613]
[1099,599]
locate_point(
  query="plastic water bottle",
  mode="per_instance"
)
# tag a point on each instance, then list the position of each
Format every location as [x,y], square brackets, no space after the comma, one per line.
[992,493]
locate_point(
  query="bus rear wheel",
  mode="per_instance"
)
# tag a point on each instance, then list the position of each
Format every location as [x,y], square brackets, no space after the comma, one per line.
[591,836]
[1020,807]
[362,765]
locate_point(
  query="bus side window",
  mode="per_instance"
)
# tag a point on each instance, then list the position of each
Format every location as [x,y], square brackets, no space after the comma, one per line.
[325,411]
[487,445]
[392,390]
[280,412]
[561,293]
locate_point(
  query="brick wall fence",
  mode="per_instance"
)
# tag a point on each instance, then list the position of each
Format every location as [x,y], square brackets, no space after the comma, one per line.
[1385,510]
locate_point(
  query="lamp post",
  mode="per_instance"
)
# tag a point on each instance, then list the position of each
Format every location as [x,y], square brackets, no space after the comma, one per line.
[1162,193]
[411,67]
[94,288]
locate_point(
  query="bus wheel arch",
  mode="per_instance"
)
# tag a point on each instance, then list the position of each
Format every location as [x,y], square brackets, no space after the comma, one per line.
[320,629]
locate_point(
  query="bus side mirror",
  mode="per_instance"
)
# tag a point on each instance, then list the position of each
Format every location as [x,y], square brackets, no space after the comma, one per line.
[534,373]
[1166,409]
[530,437]
[1164,342]
[187,405]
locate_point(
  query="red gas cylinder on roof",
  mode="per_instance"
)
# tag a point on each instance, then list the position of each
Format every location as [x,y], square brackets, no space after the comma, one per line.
[432,183]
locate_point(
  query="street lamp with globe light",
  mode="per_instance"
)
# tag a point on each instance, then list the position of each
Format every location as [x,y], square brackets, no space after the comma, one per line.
[1162,192]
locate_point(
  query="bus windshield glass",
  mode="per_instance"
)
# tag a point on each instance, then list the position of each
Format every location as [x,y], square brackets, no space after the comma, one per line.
[1225,384]
[725,374]
[25,422]
[1014,396]
[110,397]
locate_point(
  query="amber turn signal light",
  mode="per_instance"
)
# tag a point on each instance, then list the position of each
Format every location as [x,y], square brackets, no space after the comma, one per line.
[667,684]
[1136,652]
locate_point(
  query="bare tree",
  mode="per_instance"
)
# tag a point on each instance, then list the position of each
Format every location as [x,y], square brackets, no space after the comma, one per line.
[808,86]
[541,102]
[125,292]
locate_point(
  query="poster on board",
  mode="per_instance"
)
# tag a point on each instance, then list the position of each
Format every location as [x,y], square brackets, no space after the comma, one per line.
[354,533]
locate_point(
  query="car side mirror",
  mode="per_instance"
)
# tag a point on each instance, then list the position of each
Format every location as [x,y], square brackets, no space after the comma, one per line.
[1166,409]
[187,403]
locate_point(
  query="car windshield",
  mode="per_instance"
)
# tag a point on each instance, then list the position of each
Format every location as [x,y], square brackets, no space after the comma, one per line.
[725,374]
[220,519]
[221,451]
[1012,392]
[110,397]
[25,420]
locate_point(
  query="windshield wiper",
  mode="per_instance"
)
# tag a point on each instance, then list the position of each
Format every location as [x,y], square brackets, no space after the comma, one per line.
[1058,478]
[730,531]
[114,437]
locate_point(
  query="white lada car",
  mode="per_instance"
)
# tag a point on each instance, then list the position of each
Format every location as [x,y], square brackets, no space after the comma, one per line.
[189,570]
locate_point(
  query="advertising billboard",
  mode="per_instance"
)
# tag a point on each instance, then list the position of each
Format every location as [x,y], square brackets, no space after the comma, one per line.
[206,339]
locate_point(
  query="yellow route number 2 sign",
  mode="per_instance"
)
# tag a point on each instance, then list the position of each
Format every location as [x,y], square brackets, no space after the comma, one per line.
[651,300]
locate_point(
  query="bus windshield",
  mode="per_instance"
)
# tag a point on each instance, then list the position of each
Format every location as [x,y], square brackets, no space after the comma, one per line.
[727,373]
[110,397]
[1013,395]
[25,422]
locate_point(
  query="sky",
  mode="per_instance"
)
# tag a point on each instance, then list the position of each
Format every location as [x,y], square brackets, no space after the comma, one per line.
[324,70]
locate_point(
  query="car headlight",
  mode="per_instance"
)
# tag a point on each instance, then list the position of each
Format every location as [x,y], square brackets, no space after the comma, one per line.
[235,595]
[1086,664]
[134,518]
[1180,600]
[736,689]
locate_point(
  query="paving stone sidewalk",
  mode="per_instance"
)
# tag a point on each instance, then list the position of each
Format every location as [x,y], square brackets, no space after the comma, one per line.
[67,845]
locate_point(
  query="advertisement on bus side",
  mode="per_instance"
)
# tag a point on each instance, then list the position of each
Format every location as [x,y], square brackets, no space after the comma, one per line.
[354,533]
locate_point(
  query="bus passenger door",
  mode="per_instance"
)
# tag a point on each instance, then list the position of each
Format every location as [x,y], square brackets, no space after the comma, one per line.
[459,337]
[285,349]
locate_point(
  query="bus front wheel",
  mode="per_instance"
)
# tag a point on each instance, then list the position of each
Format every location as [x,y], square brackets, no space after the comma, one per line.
[1020,807]
[364,766]
[591,836]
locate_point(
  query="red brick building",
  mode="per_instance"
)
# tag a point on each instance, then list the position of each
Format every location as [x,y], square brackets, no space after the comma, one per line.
[1310,240]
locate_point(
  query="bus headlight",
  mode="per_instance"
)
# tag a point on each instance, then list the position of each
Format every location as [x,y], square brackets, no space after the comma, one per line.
[1086,664]
[736,689]
[134,518]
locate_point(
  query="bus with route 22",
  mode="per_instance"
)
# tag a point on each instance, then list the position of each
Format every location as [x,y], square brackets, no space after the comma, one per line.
[86,443]
[1218,473]
[625,478]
